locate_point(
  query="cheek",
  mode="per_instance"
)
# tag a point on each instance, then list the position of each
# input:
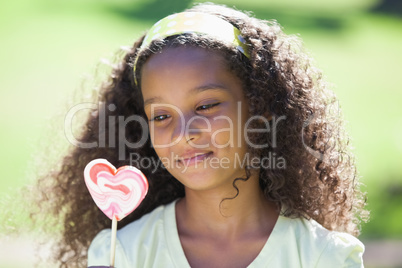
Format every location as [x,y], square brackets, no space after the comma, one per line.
[228,131]
[159,135]
[222,133]
[158,141]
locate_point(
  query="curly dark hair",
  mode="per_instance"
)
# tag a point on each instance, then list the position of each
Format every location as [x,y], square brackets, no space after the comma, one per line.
[320,179]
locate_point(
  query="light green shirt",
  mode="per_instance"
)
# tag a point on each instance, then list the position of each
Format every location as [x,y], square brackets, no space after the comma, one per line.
[153,241]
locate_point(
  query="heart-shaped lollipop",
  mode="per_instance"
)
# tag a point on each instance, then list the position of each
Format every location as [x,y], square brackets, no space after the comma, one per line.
[117,192]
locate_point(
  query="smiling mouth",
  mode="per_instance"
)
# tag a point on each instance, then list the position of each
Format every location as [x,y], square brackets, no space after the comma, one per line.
[194,159]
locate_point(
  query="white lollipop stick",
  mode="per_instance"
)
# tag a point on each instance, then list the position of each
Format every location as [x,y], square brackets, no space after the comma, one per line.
[113,241]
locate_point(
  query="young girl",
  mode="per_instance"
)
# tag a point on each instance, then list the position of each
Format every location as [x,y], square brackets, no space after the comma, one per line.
[247,164]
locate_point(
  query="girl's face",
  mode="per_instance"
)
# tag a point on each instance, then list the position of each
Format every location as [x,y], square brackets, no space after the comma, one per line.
[196,111]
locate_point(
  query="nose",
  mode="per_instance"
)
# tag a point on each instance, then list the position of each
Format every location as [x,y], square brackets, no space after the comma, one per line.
[190,128]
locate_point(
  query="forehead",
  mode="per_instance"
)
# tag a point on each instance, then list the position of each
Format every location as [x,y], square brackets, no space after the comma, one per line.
[176,71]
[182,56]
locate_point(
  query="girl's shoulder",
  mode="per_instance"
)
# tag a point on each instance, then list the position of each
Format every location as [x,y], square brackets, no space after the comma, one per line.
[316,246]
[143,233]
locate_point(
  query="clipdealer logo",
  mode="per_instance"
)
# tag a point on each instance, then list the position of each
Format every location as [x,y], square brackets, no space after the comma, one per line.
[111,124]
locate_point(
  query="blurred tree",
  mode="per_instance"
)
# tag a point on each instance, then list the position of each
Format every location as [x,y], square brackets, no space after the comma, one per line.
[153,10]
[389,6]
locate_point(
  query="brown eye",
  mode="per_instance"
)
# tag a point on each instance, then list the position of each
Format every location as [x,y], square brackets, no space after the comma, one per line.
[160,117]
[207,107]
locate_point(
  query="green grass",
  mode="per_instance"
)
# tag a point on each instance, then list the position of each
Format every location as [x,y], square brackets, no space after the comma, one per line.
[47,47]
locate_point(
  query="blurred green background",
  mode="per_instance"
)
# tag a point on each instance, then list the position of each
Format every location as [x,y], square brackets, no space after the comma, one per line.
[49,47]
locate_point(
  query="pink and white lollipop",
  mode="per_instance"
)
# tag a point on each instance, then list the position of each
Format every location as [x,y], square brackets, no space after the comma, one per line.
[117,192]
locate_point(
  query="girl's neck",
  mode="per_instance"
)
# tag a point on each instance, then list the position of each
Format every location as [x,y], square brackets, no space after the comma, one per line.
[210,213]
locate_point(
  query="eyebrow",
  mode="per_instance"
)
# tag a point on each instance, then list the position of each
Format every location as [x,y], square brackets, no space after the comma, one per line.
[214,87]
